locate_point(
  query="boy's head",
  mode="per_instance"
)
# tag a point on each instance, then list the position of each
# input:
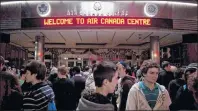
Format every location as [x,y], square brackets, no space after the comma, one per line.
[121,68]
[106,76]
[35,71]
[62,70]
[150,70]
[2,62]
[166,66]
[191,73]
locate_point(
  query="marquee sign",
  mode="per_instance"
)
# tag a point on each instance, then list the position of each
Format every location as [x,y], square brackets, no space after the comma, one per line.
[95,22]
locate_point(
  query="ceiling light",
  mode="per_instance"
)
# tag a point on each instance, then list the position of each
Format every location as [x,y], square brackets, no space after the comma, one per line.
[157,2]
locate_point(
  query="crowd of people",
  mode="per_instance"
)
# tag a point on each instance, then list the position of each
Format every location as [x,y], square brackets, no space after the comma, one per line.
[102,86]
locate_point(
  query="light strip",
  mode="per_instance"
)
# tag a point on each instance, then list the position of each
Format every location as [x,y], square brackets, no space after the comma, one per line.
[22,2]
[157,2]
[168,2]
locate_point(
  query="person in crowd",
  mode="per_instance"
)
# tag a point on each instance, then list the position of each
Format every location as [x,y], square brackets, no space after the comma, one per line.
[165,75]
[184,97]
[22,77]
[147,94]
[11,97]
[64,90]
[53,74]
[2,62]
[175,84]
[126,82]
[195,95]
[105,78]
[79,82]
[89,83]
[4,68]
[86,72]
[40,94]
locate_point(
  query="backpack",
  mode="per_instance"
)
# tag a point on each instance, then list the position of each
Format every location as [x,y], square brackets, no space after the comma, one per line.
[51,106]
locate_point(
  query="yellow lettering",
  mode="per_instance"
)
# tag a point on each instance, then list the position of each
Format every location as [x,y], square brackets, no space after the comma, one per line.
[95,21]
[148,21]
[45,22]
[112,21]
[102,21]
[89,21]
[122,21]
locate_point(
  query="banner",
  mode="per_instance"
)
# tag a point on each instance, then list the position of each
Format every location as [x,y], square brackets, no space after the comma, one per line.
[95,22]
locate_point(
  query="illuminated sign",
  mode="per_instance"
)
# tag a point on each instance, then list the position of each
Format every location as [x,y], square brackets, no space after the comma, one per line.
[95,22]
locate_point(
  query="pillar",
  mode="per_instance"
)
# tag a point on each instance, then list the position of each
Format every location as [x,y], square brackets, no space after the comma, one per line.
[155,48]
[39,48]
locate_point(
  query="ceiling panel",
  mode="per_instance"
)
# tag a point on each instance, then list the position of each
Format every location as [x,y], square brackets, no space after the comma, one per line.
[32,35]
[53,36]
[122,36]
[172,38]
[71,36]
[105,36]
[19,38]
[88,36]
[138,37]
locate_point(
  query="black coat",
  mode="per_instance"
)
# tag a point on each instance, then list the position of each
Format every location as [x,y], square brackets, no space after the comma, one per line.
[165,77]
[64,91]
[174,86]
[184,100]
[126,84]
[79,82]
[12,102]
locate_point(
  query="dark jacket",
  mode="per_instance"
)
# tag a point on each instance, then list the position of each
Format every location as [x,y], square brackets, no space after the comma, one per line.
[79,82]
[10,103]
[165,77]
[126,84]
[174,86]
[25,87]
[94,102]
[184,99]
[64,91]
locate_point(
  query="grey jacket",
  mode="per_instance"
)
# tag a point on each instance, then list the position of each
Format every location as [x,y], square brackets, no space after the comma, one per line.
[88,105]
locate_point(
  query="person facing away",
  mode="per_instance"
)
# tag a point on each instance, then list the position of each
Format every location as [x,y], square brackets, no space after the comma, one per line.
[10,92]
[175,84]
[86,72]
[126,82]
[79,81]
[40,94]
[195,95]
[22,77]
[165,76]
[147,94]
[184,97]
[64,90]
[105,78]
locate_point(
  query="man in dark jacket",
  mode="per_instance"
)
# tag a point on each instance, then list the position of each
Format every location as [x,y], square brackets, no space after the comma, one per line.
[184,98]
[175,84]
[79,81]
[195,95]
[125,84]
[64,90]
[105,78]
[165,75]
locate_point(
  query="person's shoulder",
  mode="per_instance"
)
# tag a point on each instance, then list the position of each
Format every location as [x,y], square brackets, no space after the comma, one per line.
[128,80]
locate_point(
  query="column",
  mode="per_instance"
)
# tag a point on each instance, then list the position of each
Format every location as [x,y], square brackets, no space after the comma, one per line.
[39,48]
[155,48]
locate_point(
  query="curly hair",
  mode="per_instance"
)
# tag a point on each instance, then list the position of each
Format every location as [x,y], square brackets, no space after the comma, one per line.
[148,64]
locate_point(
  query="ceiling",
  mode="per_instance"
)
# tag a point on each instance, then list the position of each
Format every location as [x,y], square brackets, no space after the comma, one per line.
[95,38]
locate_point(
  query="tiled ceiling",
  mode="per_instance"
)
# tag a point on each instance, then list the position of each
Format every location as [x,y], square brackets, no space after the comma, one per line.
[110,38]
